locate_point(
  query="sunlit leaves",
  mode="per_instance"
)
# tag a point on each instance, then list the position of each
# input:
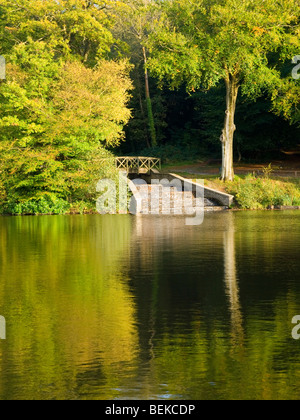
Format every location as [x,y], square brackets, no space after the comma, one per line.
[93,100]
[77,27]
[204,40]
[56,117]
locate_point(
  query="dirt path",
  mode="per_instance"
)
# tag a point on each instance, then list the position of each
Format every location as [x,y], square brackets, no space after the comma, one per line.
[286,168]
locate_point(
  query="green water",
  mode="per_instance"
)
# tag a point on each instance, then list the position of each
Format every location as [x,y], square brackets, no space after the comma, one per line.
[103,307]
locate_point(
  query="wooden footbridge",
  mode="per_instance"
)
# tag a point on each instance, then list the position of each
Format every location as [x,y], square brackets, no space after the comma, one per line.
[137,164]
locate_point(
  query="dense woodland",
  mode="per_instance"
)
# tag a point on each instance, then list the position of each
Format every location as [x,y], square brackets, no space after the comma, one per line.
[89,79]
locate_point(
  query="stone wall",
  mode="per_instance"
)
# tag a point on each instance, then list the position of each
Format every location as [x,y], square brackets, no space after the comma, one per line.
[218,197]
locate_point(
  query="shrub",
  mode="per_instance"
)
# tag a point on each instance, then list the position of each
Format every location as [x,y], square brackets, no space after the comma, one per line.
[43,205]
[261,193]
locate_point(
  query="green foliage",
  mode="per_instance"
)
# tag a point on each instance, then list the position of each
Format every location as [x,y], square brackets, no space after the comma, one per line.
[268,170]
[286,101]
[65,101]
[77,28]
[138,129]
[200,43]
[134,22]
[45,205]
[171,153]
[57,114]
[261,193]
[151,122]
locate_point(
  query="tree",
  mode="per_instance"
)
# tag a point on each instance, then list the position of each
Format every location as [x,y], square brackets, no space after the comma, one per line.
[244,43]
[134,21]
[57,117]
[286,100]
[80,28]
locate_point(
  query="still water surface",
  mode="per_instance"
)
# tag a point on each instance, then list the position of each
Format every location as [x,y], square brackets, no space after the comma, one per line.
[118,307]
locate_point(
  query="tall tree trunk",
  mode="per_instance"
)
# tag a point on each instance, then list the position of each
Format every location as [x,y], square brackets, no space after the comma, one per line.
[141,101]
[86,50]
[232,90]
[149,103]
[144,121]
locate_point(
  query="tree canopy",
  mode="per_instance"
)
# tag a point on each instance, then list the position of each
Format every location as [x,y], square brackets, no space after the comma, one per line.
[63,103]
[244,42]
[83,76]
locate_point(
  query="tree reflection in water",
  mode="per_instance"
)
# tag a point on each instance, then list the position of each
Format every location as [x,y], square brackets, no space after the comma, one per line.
[231,282]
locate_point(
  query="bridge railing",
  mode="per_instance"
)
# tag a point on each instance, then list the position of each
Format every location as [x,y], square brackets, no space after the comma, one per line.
[137,164]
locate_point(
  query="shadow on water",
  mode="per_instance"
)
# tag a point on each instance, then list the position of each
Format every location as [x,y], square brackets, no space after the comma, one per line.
[147,307]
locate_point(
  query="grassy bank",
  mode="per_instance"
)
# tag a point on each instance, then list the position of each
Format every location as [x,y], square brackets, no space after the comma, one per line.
[46,206]
[254,193]
[250,192]
[262,193]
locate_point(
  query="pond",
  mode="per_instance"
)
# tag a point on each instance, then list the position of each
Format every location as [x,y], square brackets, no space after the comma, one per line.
[124,307]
